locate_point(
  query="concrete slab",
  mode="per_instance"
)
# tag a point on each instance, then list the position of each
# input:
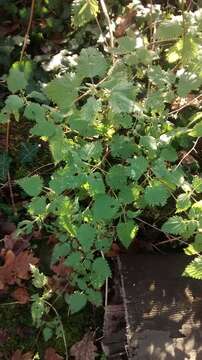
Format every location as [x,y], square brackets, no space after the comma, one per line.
[163,310]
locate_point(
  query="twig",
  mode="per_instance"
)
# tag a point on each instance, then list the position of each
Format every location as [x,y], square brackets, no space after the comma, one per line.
[8,174]
[28,30]
[184,106]
[187,154]
[106,14]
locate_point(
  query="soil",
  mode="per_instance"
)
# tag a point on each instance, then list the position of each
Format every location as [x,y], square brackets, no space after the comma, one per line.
[163,310]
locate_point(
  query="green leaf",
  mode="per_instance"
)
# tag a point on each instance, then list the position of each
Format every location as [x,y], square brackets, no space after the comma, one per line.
[60,250]
[28,152]
[168,153]
[86,236]
[31,185]
[84,11]
[74,260]
[63,91]
[174,225]
[34,111]
[16,80]
[148,142]
[105,207]
[44,128]
[37,309]
[13,105]
[91,63]
[92,150]
[95,297]
[117,177]
[183,203]
[126,232]
[129,194]
[196,210]
[126,45]
[197,184]
[96,184]
[170,29]
[5,161]
[194,269]
[100,272]
[37,206]
[187,83]
[196,247]
[122,146]
[122,98]
[156,194]
[138,167]
[76,302]
[39,280]
[47,333]
[197,130]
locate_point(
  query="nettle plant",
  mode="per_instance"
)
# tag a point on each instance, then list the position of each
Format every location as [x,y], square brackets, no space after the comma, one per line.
[114,141]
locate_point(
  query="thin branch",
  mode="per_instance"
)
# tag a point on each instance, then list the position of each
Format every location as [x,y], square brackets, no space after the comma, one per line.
[106,14]
[184,106]
[28,30]
[8,174]
[188,153]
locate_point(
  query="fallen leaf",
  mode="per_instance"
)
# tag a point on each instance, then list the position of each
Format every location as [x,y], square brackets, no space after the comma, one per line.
[84,349]
[50,354]
[115,251]
[16,267]
[61,270]
[124,22]
[18,355]
[21,295]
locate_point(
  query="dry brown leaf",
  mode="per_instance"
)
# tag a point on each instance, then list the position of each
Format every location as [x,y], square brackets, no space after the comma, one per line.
[16,267]
[124,22]
[61,270]
[51,354]
[21,295]
[114,251]
[18,355]
[84,349]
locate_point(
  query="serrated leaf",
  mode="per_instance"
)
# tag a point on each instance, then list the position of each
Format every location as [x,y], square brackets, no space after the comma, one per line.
[148,142]
[187,83]
[91,63]
[47,333]
[16,80]
[95,297]
[197,130]
[63,91]
[34,111]
[195,247]
[92,150]
[122,98]
[84,11]
[39,280]
[137,168]
[100,272]
[169,29]
[37,206]
[96,184]
[169,153]
[117,177]
[183,203]
[196,210]
[5,161]
[13,105]
[194,269]
[156,194]
[105,207]
[44,128]
[197,184]
[28,152]
[60,250]
[31,185]
[122,146]
[74,260]
[174,225]
[86,236]
[129,194]
[126,232]
[76,302]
